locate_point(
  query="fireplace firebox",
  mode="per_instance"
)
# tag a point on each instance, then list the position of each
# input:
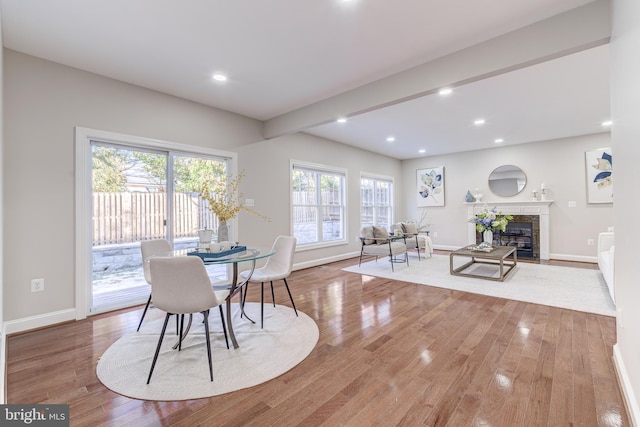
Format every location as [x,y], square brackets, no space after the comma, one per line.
[523,232]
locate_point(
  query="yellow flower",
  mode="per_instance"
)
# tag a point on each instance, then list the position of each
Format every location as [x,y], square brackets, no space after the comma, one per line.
[222,196]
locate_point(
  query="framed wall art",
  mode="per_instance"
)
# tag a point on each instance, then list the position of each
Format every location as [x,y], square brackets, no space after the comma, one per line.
[599,167]
[430,187]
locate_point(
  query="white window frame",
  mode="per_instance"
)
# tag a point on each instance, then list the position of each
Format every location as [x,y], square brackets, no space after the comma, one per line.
[83,166]
[376,177]
[320,169]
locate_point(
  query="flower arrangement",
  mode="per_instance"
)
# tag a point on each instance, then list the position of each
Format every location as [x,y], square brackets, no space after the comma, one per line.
[222,195]
[490,219]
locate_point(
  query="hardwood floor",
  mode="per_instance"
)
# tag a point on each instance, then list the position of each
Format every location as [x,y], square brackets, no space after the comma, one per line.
[389,353]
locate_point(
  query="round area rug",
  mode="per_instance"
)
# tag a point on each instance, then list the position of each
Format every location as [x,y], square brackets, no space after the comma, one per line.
[263,354]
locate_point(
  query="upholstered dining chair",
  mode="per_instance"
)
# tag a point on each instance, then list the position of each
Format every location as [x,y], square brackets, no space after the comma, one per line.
[194,295]
[161,247]
[277,267]
[151,248]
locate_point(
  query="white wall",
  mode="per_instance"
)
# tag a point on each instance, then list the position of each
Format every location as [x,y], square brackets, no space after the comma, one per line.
[44,101]
[625,107]
[559,164]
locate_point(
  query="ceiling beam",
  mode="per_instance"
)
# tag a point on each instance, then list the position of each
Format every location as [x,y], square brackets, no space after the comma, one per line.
[575,30]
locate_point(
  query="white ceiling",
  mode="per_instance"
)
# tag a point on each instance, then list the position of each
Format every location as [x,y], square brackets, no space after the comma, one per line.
[281,55]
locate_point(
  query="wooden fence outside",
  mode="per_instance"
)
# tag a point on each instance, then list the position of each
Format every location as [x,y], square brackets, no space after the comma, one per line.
[129,217]
[132,217]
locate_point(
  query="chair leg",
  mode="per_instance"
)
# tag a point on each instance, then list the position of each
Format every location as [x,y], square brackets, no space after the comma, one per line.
[290,297]
[273,296]
[155,357]
[146,307]
[261,305]
[208,339]
[224,327]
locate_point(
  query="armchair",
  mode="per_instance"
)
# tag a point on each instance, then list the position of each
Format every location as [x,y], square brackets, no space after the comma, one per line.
[376,242]
[415,239]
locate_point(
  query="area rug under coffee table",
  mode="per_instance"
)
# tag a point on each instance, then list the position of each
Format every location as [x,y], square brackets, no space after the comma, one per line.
[264,354]
[565,287]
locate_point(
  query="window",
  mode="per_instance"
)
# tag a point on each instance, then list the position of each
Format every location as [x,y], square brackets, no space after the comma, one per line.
[376,201]
[318,203]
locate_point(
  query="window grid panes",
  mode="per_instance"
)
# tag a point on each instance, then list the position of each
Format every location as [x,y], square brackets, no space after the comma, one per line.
[318,205]
[376,202]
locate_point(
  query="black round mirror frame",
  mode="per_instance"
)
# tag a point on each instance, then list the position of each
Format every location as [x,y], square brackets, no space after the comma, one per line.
[507,180]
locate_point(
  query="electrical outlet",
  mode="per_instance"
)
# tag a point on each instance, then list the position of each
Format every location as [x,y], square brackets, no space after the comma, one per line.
[572,203]
[37,285]
[435,234]
[249,202]
[590,242]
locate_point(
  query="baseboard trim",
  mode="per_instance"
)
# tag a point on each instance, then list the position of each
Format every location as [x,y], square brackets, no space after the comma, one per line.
[39,321]
[625,385]
[327,260]
[578,258]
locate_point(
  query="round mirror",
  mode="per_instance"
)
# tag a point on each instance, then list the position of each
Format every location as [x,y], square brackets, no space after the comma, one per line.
[507,180]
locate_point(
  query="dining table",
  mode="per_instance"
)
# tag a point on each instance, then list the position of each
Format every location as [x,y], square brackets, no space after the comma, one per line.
[241,254]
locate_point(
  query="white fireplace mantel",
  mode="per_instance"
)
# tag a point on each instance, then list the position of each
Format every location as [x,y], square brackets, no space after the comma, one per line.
[522,207]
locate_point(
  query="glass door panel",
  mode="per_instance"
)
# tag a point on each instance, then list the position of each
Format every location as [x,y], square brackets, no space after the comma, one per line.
[129,204]
[190,211]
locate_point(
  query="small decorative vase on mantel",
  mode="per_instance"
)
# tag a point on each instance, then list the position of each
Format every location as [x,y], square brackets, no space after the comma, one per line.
[487,237]
[223,231]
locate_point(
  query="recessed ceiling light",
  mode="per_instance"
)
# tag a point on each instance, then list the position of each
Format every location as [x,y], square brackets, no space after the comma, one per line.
[219,77]
[498,140]
[422,151]
[342,120]
[479,122]
[391,139]
[445,91]
[607,123]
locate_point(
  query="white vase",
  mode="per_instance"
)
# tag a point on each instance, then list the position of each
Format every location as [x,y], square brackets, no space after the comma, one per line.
[223,231]
[487,237]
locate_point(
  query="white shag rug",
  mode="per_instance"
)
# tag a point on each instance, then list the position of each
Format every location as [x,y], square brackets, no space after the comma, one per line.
[263,354]
[565,287]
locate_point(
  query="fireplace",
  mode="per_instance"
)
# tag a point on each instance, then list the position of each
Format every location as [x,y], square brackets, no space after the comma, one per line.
[523,232]
[528,230]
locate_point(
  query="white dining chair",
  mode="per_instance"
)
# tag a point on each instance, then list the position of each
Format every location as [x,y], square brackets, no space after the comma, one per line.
[151,248]
[277,267]
[194,295]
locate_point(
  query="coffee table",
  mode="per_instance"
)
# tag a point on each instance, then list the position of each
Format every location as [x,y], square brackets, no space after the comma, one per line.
[496,257]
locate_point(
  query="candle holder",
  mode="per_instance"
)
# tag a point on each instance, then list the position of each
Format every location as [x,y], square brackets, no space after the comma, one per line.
[543,194]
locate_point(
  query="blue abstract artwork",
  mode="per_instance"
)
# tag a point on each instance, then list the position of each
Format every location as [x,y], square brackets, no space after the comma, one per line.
[430,186]
[599,165]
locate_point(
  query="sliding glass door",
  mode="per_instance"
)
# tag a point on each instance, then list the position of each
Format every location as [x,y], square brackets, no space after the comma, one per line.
[140,194]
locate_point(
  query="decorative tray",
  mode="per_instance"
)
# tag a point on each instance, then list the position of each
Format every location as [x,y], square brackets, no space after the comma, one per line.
[481,249]
[213,255]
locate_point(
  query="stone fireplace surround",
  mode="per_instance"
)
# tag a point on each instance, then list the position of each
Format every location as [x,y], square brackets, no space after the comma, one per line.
[520,207]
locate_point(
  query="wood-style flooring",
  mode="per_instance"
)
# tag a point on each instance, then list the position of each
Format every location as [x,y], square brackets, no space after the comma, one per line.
[390,353]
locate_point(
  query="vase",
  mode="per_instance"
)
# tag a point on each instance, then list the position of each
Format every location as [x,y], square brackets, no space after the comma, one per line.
[223,231]
[487,237]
